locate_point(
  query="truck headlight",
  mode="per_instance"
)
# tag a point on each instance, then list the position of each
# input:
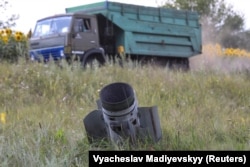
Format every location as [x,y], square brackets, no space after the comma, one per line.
[61,53]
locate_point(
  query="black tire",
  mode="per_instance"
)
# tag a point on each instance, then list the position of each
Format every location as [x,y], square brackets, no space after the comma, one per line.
[93,62]
[179,64]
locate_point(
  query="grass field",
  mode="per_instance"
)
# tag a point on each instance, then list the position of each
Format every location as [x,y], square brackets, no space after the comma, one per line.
[42,107]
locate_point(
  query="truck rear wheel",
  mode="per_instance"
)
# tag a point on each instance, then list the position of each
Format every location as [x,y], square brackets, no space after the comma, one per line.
[179,64]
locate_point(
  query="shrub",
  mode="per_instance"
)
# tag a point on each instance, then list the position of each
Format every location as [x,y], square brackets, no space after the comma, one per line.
[13,44]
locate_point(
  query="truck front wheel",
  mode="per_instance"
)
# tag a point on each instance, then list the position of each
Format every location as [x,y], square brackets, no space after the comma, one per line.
[93,61]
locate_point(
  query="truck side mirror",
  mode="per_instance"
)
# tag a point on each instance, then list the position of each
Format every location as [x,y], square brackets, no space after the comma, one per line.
[73,34]
[29,34]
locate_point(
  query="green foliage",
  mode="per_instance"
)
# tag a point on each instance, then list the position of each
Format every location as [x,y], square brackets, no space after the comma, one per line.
[45,105]
[9,21]
[233,22]
[218,18]
[203,7]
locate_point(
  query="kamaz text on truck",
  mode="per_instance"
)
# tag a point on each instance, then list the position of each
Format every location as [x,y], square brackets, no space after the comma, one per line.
[96,31]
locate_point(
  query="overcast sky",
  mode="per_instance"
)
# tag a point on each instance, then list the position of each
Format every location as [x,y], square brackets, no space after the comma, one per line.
[31,10]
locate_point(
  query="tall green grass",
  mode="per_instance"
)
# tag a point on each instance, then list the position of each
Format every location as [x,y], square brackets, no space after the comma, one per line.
[45,104]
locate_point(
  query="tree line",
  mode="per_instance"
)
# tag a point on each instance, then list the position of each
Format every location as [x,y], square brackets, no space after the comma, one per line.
[220,22]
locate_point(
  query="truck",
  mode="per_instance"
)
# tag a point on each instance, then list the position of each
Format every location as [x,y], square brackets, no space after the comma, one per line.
[102,31]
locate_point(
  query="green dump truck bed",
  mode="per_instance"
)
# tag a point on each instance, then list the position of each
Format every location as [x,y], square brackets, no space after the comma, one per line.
[150,31]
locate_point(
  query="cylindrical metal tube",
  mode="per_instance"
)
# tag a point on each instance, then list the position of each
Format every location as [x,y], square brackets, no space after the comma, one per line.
[117,96]
[119,107]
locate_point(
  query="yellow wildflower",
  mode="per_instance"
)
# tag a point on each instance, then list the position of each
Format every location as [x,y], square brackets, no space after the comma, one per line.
[3,118]
[5,39]
[217,50]
[18,36]
[19,33]
[2,32]
[8,31]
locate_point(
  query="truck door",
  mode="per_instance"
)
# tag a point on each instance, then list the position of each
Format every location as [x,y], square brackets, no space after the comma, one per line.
[85,34]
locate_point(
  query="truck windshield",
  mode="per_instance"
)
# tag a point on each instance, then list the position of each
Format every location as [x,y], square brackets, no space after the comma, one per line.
[52,26]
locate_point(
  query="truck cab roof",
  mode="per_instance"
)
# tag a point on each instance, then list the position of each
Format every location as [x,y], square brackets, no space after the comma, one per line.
[65,14]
